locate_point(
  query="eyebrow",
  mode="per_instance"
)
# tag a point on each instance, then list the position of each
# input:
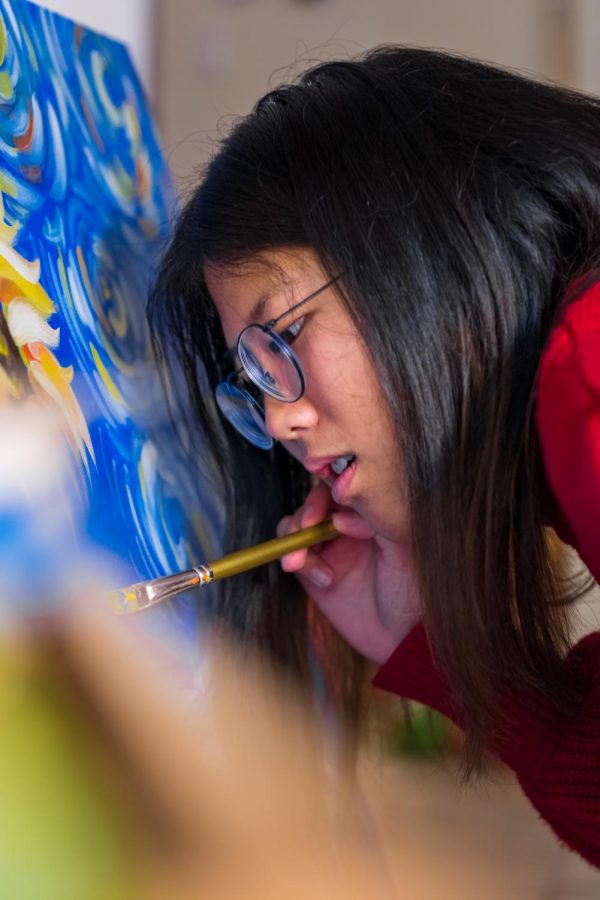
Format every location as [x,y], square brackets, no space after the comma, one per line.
[256,314]
[258,310]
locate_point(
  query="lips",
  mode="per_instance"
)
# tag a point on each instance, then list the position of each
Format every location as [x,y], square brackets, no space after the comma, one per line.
[341,485]
[320,467]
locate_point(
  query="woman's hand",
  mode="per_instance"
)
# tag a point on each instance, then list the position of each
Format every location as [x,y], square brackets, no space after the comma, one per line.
[363,583]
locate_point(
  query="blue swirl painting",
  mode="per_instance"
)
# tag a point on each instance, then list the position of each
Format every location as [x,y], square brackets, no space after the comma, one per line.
[86,202]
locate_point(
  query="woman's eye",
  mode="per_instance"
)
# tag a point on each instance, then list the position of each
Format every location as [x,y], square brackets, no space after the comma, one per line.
[292,331]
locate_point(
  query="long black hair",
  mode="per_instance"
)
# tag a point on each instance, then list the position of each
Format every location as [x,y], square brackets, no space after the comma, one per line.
[459,200]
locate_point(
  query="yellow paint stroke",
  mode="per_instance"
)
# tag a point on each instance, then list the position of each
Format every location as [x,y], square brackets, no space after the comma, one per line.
[13,285]
[142,480]
[119,181]
[132,125]
[7,185]
[31,52]
[117,315]
[52,367]
[128,370]
[113,113]
[109,384]
[29,269]
[2,41]
[6,86]
[123,600]
[51,380]
[85,277]
[62,273]
[130,597]
[8,232]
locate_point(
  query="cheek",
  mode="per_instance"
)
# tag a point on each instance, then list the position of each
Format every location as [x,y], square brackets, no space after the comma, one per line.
[343,388]
[345,357]
[362,386]
[329,379]
[341,379]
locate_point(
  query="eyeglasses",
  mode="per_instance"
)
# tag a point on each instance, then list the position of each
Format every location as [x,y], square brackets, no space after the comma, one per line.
[272,368]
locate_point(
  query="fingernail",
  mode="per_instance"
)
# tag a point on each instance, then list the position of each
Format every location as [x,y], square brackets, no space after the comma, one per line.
[319,577]
[307,512]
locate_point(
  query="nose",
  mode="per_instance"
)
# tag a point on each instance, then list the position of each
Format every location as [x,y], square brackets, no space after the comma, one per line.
[287,421]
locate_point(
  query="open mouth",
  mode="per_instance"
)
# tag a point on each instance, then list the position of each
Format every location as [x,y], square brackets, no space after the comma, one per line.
[342,470]
[342,463]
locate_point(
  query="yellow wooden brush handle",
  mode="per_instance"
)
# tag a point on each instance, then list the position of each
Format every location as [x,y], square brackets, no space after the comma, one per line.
[251,557]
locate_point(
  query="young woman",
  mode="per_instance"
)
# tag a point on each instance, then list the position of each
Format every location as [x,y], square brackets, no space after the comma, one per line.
[390,275]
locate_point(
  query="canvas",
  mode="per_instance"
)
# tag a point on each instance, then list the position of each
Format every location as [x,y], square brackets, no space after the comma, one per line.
[86,203]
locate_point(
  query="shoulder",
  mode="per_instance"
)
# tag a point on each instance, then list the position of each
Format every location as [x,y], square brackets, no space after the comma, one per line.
[568,421]
[572,354]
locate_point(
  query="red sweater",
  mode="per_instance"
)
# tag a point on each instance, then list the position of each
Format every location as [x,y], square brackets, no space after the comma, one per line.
[556,757]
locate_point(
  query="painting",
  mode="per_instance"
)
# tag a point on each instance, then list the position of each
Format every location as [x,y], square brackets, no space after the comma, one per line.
[86,200]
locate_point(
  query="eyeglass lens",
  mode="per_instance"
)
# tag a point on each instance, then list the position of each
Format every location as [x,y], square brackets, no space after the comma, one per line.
[270,363]
[240,409]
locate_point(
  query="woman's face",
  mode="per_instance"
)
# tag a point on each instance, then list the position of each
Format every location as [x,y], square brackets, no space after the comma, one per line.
[342,412]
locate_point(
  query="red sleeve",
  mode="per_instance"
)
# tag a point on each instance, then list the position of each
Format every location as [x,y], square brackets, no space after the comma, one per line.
[568,419]
[556,757]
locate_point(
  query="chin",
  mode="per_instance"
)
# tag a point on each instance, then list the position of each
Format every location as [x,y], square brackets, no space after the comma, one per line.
[395,532]
[389,526]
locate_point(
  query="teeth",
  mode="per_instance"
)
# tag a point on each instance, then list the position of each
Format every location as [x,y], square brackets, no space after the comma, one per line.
[340,464]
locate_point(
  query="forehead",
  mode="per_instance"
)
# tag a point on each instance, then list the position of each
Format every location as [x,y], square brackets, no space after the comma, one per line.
[261,287]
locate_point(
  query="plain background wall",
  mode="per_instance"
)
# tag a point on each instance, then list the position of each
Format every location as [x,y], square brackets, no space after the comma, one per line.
[215,57]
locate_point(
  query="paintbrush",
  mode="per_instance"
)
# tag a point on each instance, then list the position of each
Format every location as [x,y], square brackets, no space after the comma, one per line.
[143,594]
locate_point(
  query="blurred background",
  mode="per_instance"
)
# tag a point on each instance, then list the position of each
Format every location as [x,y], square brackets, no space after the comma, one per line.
[204,63]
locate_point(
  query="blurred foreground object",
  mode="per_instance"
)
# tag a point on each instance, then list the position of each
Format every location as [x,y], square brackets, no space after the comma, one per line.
[112,788]
[40,517]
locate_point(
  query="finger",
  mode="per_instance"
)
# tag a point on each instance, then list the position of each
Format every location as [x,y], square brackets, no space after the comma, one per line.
[293,562]
[352,525]
[283,526]
[316,506]
[315,570]
[289,524]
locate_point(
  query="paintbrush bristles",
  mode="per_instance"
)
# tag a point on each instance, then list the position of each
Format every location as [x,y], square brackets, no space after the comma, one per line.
[143,594]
